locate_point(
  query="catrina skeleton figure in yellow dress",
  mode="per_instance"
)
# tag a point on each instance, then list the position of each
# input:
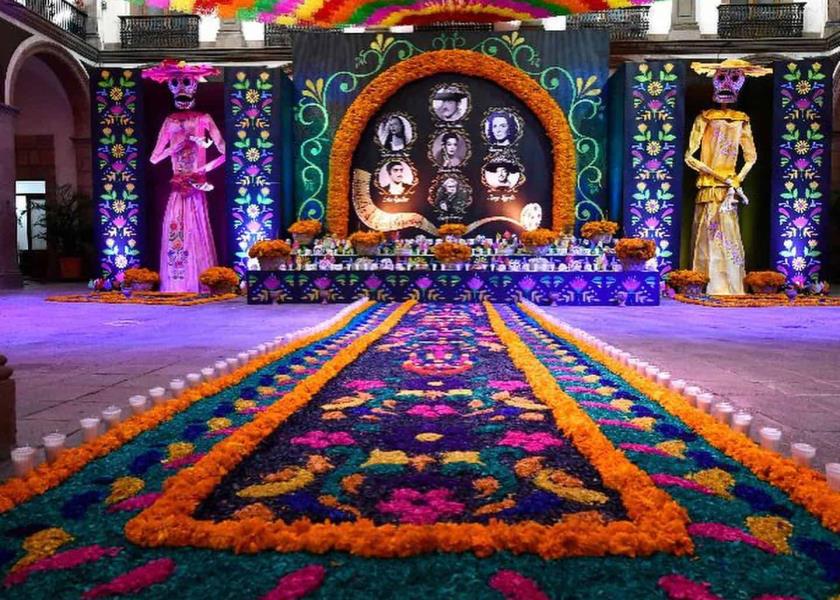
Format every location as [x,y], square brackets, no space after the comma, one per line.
[720,134]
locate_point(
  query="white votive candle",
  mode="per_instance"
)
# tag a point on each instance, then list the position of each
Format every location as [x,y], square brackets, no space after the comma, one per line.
[158,395]
[691,392]
[663,378]
[232,363]
[741,422]
[678,385]
[803,453]
[631,362]
[90,428]
[770,438]
[23,460]
[208,373]
[641,366]
[723,412]
[221,367]
[253,353]
[112,415]
[705,401]
[832,473]
[53,445]
[177,386]
[193,379]
[262,348]
[137,404]
[243,357]
[651,372]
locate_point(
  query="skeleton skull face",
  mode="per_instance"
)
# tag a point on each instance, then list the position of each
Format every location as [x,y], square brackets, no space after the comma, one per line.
[727,82]
[183,90]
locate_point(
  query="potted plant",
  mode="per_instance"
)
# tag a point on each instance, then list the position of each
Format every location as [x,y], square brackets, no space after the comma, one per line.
[538,240]
[599,232]
[220,280]
[304,232]
[66,230]
[140,280]
[270,253]
[765,282]
[634,253]
[366,243]
[687,282]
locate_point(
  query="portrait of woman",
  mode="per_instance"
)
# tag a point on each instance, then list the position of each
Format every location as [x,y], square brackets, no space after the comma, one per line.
[450,102]
[450,196]
[501,127]
[395,132]
[449,149]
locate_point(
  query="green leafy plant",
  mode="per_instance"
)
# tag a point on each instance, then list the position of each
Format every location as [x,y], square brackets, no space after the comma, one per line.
[65,223]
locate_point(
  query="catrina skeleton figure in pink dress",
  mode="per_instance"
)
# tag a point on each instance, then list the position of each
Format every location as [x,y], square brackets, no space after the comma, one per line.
[186,247]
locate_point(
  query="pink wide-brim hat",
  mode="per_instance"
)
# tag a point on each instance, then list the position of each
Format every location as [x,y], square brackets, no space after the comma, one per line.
[169,68]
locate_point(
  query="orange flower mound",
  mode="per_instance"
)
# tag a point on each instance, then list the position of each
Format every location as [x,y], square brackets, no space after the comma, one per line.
[270,249]
[684,277]
[598,228]
[306,227]
[804,485]
[635,248]
[764,279]
[219,276]
[47,476]
[141,276]
[450,252]
[452,229]
[538,237]
[367,238]
[464,62]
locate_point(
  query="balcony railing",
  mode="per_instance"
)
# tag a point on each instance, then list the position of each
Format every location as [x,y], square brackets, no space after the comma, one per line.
[760,20]
[165,31]
[622,23]
[282,35]
[60,13]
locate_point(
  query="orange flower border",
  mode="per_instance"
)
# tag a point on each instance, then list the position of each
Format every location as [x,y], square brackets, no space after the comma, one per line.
[803,485]
[658,523]
[464,62]
[71,461]
[759,301]
[150,298]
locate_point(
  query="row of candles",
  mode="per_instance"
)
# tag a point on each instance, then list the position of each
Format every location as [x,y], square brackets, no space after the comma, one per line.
[724,412]
[24,458]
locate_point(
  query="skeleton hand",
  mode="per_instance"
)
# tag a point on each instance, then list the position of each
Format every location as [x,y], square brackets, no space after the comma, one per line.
[202,141]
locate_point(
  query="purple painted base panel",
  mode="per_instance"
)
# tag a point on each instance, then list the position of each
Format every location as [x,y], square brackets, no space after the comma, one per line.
[574,288]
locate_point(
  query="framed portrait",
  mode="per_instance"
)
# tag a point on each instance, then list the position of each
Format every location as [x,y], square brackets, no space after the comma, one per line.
[395,133]
[450,195]
[502,173]
[501,127]
[449,149]
[450,102]
[395,177]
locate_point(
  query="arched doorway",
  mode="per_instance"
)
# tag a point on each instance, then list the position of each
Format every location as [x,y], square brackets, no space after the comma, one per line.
[52,159]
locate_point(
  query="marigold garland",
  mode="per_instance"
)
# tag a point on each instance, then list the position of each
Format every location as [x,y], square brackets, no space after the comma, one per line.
[306,227]
[270,249]
[761,280]
[367,238]
[635,249]
[683,277]
[150,298]
[803,485]
[464,62]
[71,461]
[219,277]
[141,276]
[538,237]
[759,301]
[452,252]
[592,228]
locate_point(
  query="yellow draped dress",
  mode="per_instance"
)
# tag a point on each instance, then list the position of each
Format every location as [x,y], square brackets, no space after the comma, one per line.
[718,251]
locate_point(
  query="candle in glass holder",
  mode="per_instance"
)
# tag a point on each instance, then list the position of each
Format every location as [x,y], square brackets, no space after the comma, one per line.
[53,445]
[741,422]
[112,415]
[803,453]
[177,386]
[641,366]
[137,404]
[678,385]
[158,395]
[193,379]
[691,392]
[651,372]
[253,353]
[23,460]
[221,367]
[770,438]
[663,378]
[243,358]
[208,373]
[90,428]
[832,474]
[723,412]
[704,402]
[262,348]
[232,363]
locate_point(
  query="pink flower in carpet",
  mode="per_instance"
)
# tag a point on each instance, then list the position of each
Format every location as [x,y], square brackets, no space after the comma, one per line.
[297,584]
[532,442]
[324,439]
[363,385]
[515,586]
[677,586]
[431,411]
[510,385]
[420,508]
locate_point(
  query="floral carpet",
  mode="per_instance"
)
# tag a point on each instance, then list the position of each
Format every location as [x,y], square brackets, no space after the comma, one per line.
[156,298]
[416,451]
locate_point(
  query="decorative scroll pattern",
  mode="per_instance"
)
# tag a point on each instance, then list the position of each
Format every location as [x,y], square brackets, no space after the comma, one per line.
[250,128]
[579,288]
[801,177]
[654,166]
[118,170]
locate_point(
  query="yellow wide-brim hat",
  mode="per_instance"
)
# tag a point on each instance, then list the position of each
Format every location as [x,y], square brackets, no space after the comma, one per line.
[749,69]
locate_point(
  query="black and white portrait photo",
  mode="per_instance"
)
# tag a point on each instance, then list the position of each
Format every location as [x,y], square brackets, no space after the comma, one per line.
[450,196]
[395,132]
[449,149]
[502,174]
[450,102]
[395,177]
[501,127]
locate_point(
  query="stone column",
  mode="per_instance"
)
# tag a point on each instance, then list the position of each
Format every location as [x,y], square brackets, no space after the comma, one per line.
[230,34]
[8,423]
[684,20]
[10,276]
[833,22]
[91,7]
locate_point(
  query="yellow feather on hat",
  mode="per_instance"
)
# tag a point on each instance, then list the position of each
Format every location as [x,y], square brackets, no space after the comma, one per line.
[749,69]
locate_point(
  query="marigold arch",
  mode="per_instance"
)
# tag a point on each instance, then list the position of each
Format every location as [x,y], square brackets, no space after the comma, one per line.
[463,62]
